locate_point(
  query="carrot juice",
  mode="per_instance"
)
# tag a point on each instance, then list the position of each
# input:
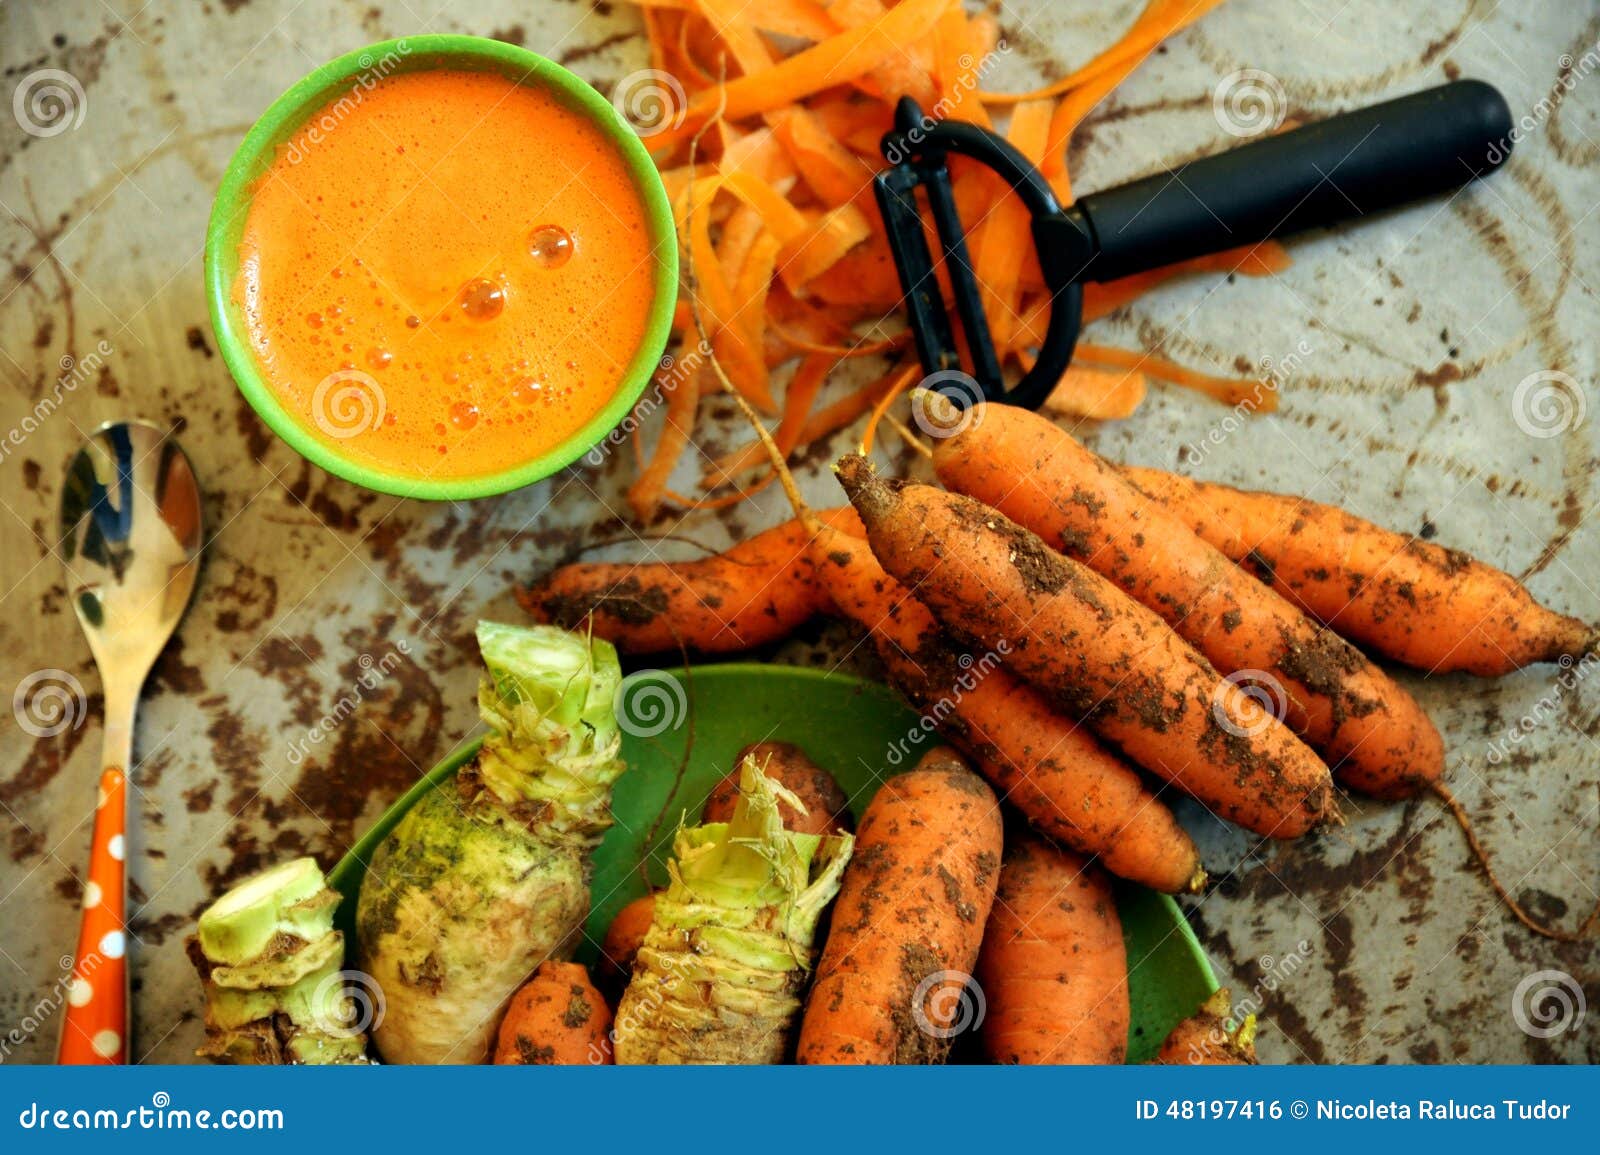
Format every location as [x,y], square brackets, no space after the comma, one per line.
[446,274]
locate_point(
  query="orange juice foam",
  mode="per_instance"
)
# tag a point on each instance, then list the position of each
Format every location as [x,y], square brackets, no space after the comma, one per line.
[445,275]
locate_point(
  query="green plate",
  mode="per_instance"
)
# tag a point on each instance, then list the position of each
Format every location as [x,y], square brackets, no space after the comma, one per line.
[860,732]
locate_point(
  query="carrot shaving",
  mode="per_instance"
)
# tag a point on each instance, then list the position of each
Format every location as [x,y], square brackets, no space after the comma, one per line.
[1003,238]
[1159,20]
[683,398]
[899,386]
[1097,394]
[1259,260]
[1228,390]
[798,399]
[848,56]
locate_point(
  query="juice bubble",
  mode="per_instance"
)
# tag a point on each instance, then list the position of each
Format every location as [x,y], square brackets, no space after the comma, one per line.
[413,322]
[482,299]
[526,390]
[379,358]
[314,320]
[463,415]
[550,245]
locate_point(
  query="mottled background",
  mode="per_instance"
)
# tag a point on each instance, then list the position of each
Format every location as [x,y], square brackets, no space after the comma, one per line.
[1377,942]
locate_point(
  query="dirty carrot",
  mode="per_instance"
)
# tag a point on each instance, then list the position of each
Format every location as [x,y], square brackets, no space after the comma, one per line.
[617,950]
[1095,652]
[1052,769]
[556,1018]
[1372,732]
[755,592]
[1210,1037]
[912,908]
[826,808]
[1053,968]
[1428,606]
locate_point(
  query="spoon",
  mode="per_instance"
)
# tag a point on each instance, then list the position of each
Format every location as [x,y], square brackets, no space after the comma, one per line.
[130,541]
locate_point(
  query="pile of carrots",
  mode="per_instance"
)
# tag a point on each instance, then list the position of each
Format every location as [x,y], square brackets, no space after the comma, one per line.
[937,896]
[768,160]
[1137,616]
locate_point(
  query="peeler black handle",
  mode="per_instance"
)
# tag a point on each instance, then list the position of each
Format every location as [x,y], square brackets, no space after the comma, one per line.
[1347,166]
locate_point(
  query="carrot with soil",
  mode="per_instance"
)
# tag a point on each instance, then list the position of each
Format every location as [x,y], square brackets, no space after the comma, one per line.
[909,918]
[1054,970]
[621,944]
[1095,652]
[1373,734]
[1428,606]
[754,593]
[1049,767]
[823,807]
[1210,1037]
[557,1018]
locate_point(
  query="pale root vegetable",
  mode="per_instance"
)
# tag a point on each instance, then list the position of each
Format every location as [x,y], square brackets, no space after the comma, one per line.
[271,966]
[719,976]
[1211,1038]
[487,876]
[621,944]
[754,593]
[1053,969]
[1373,734]
[1404,598]
[1048,766]
[556,1018]
[1095,652]
[823,809]
[890,986]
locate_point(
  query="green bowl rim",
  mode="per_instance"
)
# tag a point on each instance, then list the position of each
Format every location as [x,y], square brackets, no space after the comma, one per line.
[296,106]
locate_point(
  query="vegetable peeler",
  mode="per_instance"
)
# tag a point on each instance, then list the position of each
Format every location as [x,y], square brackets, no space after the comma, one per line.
[1346,166]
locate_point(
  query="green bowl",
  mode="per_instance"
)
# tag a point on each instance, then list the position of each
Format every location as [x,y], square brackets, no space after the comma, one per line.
[847,726]
[308,97]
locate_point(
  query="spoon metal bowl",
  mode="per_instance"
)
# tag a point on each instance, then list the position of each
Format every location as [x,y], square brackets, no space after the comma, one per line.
[130,542]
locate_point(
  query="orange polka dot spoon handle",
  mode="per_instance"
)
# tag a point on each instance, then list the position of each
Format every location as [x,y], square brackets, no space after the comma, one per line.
[130,542]
[95,1028]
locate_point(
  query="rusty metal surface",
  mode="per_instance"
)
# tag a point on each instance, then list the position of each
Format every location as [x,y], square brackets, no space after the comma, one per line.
[1401,346]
